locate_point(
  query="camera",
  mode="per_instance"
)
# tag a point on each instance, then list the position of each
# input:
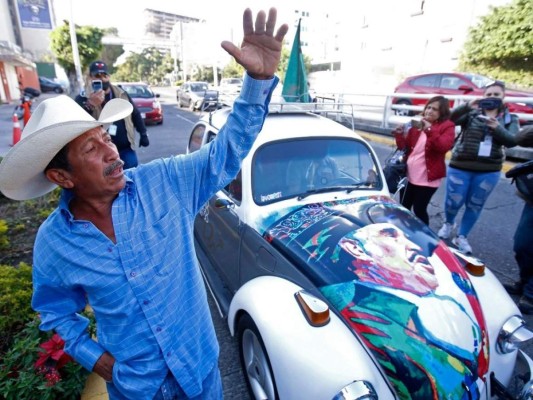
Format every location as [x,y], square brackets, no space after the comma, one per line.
[491,103]
[417,124]
[97,85]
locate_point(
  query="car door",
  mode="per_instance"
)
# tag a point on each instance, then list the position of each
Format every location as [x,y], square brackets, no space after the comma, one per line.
[424,84]
[218,227]
[451,84]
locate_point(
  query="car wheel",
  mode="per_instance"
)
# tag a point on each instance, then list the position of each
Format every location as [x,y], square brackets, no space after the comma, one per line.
[179,101]
[405,113]
[255,361]
[58,90]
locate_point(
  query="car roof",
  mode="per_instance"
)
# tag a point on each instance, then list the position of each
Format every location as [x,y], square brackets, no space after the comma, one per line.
[131,83]
[289,125]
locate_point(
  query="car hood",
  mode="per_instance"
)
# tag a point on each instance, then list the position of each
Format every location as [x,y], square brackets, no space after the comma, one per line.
[397,286]
[141,102]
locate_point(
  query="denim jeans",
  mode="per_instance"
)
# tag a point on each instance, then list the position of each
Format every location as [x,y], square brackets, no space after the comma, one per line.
[471,189]
[129,157]
[212,388]
[524,250]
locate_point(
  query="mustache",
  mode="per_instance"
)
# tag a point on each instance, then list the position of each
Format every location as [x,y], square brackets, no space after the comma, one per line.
[112,167]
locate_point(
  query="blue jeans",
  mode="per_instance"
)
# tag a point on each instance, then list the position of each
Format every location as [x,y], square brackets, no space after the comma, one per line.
[524,250]
[129,157]
[471,189]
[212,388]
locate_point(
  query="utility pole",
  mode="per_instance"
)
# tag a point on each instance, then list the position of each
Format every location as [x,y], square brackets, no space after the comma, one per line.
[75,53]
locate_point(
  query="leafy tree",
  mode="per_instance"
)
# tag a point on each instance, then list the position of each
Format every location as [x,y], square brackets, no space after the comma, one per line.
[148,66]
[501,45]
[89,47]
[232,70]
[111,52]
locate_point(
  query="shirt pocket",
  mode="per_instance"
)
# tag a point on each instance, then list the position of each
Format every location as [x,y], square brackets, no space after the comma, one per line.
[158,245]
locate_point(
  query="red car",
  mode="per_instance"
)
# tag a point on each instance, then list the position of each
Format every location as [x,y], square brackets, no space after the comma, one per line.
[145,100]
[453,83]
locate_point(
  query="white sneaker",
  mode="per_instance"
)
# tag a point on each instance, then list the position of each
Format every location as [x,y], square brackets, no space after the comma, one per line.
[462,244]
[446,230]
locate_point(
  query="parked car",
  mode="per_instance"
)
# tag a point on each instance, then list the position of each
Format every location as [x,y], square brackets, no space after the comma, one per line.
[197,96]
[452,83]
[230,85]
[48,85]
[145,100]
[335,291]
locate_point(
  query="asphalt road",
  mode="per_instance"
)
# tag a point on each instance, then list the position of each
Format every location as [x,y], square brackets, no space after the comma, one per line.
[491,238]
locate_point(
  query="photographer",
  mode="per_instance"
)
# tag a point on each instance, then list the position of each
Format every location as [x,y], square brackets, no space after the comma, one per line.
[522,175]
[477,159]
[122,132]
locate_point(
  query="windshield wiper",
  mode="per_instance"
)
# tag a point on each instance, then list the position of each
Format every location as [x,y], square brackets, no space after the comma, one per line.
[348,188]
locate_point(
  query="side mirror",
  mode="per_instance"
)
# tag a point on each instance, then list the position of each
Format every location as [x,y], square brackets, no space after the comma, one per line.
[465,88]
[157,95]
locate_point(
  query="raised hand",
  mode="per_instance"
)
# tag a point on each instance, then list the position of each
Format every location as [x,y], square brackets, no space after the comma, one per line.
[260,50]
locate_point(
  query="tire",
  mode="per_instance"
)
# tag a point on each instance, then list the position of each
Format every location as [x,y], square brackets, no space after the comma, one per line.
[255,362]
[58,90]
[406,113]
[179,102]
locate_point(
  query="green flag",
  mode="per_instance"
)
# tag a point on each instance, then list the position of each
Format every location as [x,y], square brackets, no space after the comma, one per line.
[295,85]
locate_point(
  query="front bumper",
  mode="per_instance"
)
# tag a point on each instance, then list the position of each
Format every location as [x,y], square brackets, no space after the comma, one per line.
[521,388]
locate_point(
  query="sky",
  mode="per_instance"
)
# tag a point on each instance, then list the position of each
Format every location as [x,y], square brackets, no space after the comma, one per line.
[127,15]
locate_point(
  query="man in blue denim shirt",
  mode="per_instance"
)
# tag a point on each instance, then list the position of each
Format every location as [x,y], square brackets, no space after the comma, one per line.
[122,240]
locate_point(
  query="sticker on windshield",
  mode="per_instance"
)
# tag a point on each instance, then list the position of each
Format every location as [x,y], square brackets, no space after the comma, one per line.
[271,196]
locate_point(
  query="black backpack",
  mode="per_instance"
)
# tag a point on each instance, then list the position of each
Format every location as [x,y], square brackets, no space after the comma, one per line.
[522,176]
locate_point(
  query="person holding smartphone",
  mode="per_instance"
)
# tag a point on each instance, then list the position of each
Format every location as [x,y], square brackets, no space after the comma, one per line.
[427,141]
[477,159]
[122,132]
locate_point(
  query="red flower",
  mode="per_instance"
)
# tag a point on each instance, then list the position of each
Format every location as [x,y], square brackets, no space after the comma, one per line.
[53,349]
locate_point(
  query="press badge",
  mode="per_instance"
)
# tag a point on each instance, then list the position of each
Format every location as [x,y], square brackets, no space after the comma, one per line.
[112,130]
[485,146]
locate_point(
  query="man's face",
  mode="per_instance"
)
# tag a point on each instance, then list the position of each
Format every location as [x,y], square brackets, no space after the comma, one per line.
[96,166]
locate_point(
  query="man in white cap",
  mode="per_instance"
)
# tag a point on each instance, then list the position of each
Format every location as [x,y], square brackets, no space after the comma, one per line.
[122,240]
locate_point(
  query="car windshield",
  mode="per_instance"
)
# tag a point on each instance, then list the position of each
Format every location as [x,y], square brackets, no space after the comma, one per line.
[300,167]
[141,91]
[479,80]
[198,87]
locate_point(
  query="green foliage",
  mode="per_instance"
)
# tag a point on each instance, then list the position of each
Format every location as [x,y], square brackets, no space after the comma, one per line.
[149,66]
[501,45]
[15,297]
[20,379]
[4,240]
[232,69]
[89,45]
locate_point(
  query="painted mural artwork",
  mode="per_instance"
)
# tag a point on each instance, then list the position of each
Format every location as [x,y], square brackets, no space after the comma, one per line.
[398,288]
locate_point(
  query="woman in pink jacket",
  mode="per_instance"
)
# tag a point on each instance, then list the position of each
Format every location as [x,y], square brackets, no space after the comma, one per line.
[426,148]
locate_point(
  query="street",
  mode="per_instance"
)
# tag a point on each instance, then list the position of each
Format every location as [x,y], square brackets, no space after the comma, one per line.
[491,238]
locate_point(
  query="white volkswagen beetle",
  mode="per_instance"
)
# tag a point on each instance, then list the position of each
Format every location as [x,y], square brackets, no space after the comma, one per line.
[334,290]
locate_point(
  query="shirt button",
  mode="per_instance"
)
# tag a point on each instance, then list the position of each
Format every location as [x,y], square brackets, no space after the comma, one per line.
[133,274]
[146,302]
[158,329]
[85,226]
[110,249]
[169,354]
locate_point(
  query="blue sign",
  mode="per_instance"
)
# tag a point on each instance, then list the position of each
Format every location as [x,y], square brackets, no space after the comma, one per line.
[34,14]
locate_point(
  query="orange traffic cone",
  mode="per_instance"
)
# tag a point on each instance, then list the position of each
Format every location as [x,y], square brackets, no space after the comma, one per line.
[27,112]
[16,129]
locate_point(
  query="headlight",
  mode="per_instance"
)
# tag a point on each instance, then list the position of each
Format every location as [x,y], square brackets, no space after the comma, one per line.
[512,334]
[357,390]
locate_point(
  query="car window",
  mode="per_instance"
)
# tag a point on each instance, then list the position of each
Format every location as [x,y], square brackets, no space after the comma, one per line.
[451,82]
[234,188]
[479,80]
[140,91]
[195,141]
[290,168]
[198,87]
[427,81]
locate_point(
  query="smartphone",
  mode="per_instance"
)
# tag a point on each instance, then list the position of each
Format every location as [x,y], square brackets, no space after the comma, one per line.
[96,85]
[417,123]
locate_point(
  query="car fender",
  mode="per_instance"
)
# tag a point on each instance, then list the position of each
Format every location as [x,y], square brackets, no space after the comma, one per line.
[497,307]
[303,356]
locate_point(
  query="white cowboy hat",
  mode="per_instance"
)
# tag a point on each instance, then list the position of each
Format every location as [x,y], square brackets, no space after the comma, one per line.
[56,122]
